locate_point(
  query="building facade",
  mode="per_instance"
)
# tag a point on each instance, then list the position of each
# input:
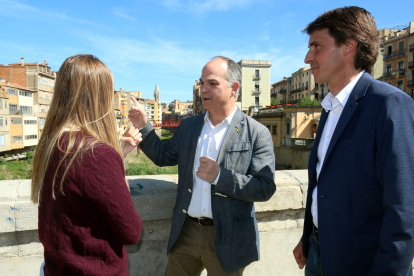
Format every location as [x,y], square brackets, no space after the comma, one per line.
[37,77]
[278,91]
[255,86]
[398,57]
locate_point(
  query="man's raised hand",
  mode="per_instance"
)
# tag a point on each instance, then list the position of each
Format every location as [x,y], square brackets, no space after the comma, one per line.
[137,115]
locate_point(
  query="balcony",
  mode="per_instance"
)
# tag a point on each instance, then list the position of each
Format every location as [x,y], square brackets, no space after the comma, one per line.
[257,77]
[411,48]
[302,143]
[411,65]
[282,91]
[257,91]
[410,83]
[391,74]
[256,104]
[394,54]
[322,85]
[295,91]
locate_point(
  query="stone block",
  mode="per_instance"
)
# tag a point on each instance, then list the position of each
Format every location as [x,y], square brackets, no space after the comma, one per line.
[300,175]
[286,197]
[24,189]
[7,217]
[22,266]
[8,190]
[283,178]
[26,215]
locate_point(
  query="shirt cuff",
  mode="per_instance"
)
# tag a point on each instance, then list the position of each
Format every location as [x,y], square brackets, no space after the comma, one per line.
[215,181]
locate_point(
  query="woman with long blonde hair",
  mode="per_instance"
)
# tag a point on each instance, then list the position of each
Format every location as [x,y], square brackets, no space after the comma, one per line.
[86,214]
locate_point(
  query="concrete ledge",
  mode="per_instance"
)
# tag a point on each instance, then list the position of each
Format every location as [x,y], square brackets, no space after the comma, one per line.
[280,221]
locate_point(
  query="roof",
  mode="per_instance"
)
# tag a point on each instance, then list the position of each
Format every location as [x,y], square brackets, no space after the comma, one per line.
[15,85]
[279,82]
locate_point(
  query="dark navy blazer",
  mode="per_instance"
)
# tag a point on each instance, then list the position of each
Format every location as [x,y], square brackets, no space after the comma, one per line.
[247,172]
[366,185]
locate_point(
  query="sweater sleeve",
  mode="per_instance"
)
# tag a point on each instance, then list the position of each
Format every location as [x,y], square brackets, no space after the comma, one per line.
[104,184]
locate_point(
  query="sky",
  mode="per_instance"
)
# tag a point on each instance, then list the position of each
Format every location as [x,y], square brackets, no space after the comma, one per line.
[167,42]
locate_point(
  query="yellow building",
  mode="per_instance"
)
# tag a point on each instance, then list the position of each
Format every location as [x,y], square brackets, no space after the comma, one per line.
[255,86]
[4,120]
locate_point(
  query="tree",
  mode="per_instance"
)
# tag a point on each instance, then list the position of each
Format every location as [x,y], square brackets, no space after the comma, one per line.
[273,101]
[308,102]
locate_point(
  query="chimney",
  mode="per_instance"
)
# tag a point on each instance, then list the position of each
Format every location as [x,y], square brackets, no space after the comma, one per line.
[22,58]
[45,61]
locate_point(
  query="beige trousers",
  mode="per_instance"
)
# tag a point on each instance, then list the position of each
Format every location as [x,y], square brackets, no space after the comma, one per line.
[193,251]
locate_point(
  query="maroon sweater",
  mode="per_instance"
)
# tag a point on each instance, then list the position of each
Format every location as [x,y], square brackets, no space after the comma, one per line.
[84,231]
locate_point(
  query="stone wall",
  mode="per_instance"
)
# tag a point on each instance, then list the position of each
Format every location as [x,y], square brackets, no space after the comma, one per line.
[291,157]
[280,223]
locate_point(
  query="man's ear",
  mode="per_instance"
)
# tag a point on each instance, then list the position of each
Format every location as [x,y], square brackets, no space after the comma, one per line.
[234,88]
[350,46]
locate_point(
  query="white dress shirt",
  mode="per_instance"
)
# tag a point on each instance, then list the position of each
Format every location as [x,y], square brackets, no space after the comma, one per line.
[209,144]
[334,105]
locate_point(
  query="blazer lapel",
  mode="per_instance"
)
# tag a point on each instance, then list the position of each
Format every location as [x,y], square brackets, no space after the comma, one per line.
[233,132]
[349,110]
[313,159]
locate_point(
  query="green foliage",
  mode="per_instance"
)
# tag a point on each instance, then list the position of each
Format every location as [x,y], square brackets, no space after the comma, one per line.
[29,157]
[308,102]
[19,169]
[273,101]
[166,138]
[139,164]
[6,155]
[163,132]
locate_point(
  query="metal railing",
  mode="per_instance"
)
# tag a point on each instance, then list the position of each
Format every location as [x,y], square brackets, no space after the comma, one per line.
[302,143]
[255,77]
[390,74]
[282,91]
[394,54]
[411,48]
[257,90]
[411,64]
[410,83]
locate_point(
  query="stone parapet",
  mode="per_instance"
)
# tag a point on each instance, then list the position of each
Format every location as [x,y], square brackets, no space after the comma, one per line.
[280,222]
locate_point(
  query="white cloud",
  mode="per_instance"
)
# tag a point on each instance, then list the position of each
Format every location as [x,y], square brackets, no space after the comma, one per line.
[16,9]
[200,7]
[124,14]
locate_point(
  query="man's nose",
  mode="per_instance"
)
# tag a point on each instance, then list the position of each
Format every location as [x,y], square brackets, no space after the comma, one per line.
[309,57]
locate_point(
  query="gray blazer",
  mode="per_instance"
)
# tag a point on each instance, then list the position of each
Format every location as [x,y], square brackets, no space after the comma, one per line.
[247,165]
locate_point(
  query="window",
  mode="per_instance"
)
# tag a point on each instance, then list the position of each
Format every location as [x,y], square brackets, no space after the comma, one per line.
[11,91]
[274,130]
[401,47]
[26,110]
[17,139]
[268,127]
[389,49]
[400,85]
[1,104]
[16,121]
[5,104]
[13,109]
[30,122]
[1,121]
[257,74]
[287,128]
[30,137]
[25,93]
[1,139]
[256,100]
[389,69]
[42,121]
[400,65]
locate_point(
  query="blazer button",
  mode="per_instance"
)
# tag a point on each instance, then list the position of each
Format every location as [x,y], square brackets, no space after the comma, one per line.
[189,190]
[184,211]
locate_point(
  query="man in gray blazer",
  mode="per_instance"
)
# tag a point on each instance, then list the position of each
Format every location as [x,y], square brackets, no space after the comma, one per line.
[225,163]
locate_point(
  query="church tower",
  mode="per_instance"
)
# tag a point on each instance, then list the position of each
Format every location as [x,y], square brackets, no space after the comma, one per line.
[157,98]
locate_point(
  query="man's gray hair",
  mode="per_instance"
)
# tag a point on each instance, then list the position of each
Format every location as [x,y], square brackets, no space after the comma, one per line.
[234,73]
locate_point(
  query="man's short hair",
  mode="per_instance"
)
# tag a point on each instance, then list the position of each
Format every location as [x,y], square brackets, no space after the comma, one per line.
[234,73]
[351,22]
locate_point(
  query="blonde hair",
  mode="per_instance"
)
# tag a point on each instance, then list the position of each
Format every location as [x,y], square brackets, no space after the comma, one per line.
[82,101]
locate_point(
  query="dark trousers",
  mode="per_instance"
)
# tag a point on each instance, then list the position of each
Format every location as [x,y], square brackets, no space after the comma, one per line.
[313,265]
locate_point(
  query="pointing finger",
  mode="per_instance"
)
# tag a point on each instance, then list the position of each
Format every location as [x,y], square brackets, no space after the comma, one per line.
[136,103]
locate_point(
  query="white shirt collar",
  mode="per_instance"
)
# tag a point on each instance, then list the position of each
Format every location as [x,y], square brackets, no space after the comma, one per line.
[228,119]
[342,96]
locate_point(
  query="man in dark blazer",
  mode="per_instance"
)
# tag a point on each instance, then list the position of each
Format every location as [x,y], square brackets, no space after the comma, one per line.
[225,163]
[359,216]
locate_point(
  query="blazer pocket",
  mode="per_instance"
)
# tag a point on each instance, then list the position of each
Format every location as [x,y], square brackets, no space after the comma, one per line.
[238,157]
[244,238]
[364,240]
